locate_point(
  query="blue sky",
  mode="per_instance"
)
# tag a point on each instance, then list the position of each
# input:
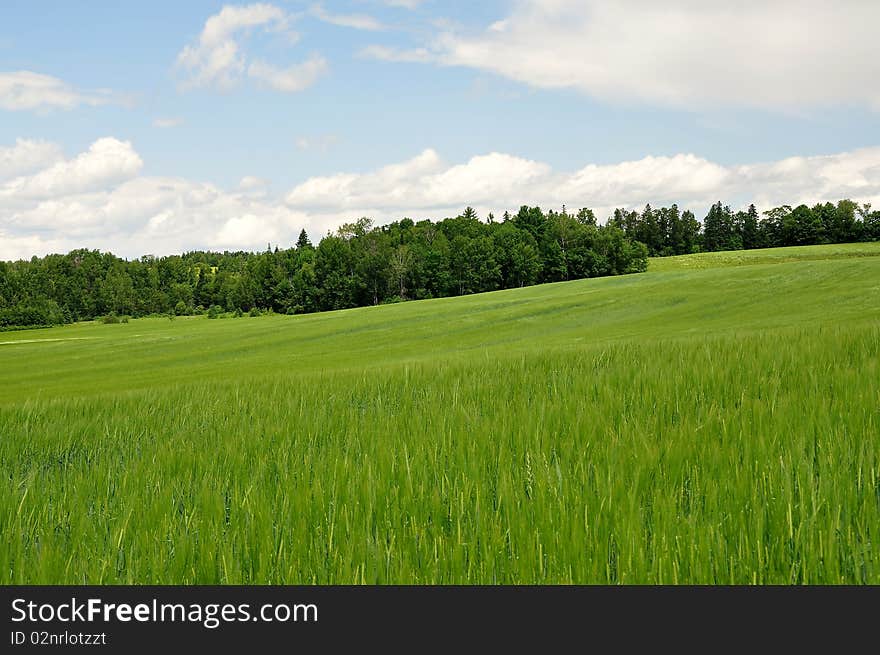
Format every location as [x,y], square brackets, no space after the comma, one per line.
[492,104]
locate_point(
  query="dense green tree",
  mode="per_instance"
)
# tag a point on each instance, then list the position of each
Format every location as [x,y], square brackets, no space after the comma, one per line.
[117,291]
[532,220]
[719,231]
[470,214]
[801,227]
[334,273]
[362,264]
[585,216]
[845,226]
[372,254]
[435,277]
[401,269]
[751,236]
[869,229]
[303,240]
[517,256]
[771,227]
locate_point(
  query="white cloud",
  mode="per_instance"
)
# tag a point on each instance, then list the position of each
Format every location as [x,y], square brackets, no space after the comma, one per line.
[384,186]
[144,215]
[291,79]
[107,161]
[427,187]
[853,175]
[167,123]
[26,90]
[97,199]
[651,179]
[14,247]
[241,229]
[785,55]
[253,187]
[27,156]
[354,21]
[217,61]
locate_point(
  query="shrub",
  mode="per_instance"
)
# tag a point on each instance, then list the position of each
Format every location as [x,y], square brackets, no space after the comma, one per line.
[36,313]
[214,312]
[254,312]
[110,319]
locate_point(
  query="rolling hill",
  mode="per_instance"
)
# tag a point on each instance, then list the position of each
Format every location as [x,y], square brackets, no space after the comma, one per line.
[714,420]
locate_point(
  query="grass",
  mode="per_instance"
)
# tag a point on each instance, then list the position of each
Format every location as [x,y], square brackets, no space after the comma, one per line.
[714,420]
[764,256]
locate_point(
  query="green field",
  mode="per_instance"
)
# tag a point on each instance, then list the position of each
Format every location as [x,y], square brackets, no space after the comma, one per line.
[715,420]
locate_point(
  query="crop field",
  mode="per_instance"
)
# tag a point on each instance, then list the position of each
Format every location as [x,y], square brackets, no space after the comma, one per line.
[714,420]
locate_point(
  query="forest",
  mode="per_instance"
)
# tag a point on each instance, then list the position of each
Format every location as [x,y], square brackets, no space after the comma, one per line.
[361,264]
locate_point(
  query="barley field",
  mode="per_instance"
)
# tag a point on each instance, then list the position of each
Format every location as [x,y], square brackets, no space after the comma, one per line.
[715,420]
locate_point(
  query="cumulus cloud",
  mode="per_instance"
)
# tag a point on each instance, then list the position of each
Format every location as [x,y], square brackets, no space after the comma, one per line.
[427,187]
[218,61]
[653,179]
[384,186]
[253,187]
[853,175]
[107,161]
[26,90]
[241,229]
[784,55]
[158,215]
[27,156]
[99,199]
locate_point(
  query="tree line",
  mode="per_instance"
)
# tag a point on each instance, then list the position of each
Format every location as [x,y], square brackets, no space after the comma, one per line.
[358,265]
[668,231]
[361,264]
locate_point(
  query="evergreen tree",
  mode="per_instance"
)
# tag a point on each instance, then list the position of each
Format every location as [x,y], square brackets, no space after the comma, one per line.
[749,228]
[713,229]
[303,240]
[470,214]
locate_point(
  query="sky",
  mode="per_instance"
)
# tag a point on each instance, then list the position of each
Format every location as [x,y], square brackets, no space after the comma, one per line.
[161,127]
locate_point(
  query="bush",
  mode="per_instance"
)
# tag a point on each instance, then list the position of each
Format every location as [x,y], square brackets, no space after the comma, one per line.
[238,313]
[214,312]
[125,319]
[254,312]
[180,308]
[110,319]
[38,312]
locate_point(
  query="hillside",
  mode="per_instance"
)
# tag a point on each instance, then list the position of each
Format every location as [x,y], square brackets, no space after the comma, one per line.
[713,420]
[680,297]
